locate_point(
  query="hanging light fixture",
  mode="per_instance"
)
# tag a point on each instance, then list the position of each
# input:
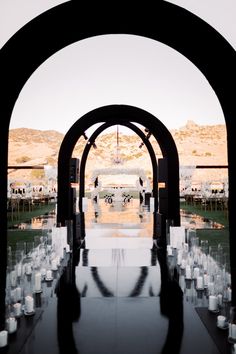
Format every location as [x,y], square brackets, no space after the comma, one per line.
[117,159]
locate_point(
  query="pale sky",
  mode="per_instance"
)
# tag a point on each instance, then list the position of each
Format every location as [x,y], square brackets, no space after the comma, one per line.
[116,69]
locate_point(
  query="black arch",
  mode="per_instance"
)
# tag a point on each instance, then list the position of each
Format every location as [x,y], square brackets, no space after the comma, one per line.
[70,22]
[119,114]
[92,140]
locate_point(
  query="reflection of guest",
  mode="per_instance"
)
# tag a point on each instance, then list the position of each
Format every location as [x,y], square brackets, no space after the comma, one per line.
[68,311]
[171,304]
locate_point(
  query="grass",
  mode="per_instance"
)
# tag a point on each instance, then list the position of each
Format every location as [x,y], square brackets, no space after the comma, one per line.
[217,215]
[214,236]
[28,215]
[17,235]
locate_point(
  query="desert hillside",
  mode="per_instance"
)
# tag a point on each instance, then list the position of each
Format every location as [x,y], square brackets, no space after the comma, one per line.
[196,144]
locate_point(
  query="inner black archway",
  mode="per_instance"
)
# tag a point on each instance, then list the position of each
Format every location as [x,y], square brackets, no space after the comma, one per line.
[71,22]
[120,114]
[87,150]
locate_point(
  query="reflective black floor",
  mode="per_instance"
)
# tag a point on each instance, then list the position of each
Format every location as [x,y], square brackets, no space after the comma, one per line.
[116,297]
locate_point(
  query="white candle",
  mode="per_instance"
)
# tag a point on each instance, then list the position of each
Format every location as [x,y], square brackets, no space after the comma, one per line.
[196,272]
[58,259]
[211,288]
[233,331]
[205,265]
[19,270]
[169,250]
[221,320]
[213,303]
[43,272]
[205,280]
[11,324]
[18,294]
[183,264]
[37,284]
[199,284]
[179,258]
[13,295]
[3,338]
[28,269]
[186,248]
[49,274]
[220,299]
[13,278]
[229,294]
[68,248]
[17,309]
[54,264]
[29,304]
[188,272]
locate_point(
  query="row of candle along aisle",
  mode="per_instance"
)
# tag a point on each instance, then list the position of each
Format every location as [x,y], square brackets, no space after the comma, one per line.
[203,272]
[32,264]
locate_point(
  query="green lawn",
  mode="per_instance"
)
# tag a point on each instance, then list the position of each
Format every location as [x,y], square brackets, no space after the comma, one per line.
[27,215]
[17,235]
[214,236]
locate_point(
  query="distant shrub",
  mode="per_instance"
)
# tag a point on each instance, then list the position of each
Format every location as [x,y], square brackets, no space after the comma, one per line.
[23,159]
[37,173]
[207,153]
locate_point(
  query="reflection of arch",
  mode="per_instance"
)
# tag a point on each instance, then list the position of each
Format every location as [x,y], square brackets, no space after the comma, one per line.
[207,49]
[92,140]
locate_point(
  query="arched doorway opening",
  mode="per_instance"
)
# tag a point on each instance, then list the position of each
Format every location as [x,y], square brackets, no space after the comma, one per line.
[212,55]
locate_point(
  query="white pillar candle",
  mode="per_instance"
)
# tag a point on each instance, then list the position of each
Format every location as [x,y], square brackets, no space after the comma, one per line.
[13,278]
[11,324]
[68,248]
[220,299]
[19,270]
[211,288]
[199,284]
[17,309]
[196,272]
[186,248]
[188,274]
[3,338]
[28,269]
[37,282]
[233,331]
[179,258]
[29,304]
[221,320]
[205,265]
[205,280]
[49,274]
[18,293]
[54,264]
[229,294]
[213,303]
[169,250]
[13,295]
[43,272]
[183,264]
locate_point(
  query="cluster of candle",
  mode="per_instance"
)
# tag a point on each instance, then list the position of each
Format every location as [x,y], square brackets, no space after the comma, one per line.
[209,278]
[195,264]
[26,276]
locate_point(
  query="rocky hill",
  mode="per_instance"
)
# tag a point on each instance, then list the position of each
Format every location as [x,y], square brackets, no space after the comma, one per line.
[196,144]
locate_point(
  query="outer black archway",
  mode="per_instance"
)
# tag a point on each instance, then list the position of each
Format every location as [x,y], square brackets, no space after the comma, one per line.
[70,22]
[119,114]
